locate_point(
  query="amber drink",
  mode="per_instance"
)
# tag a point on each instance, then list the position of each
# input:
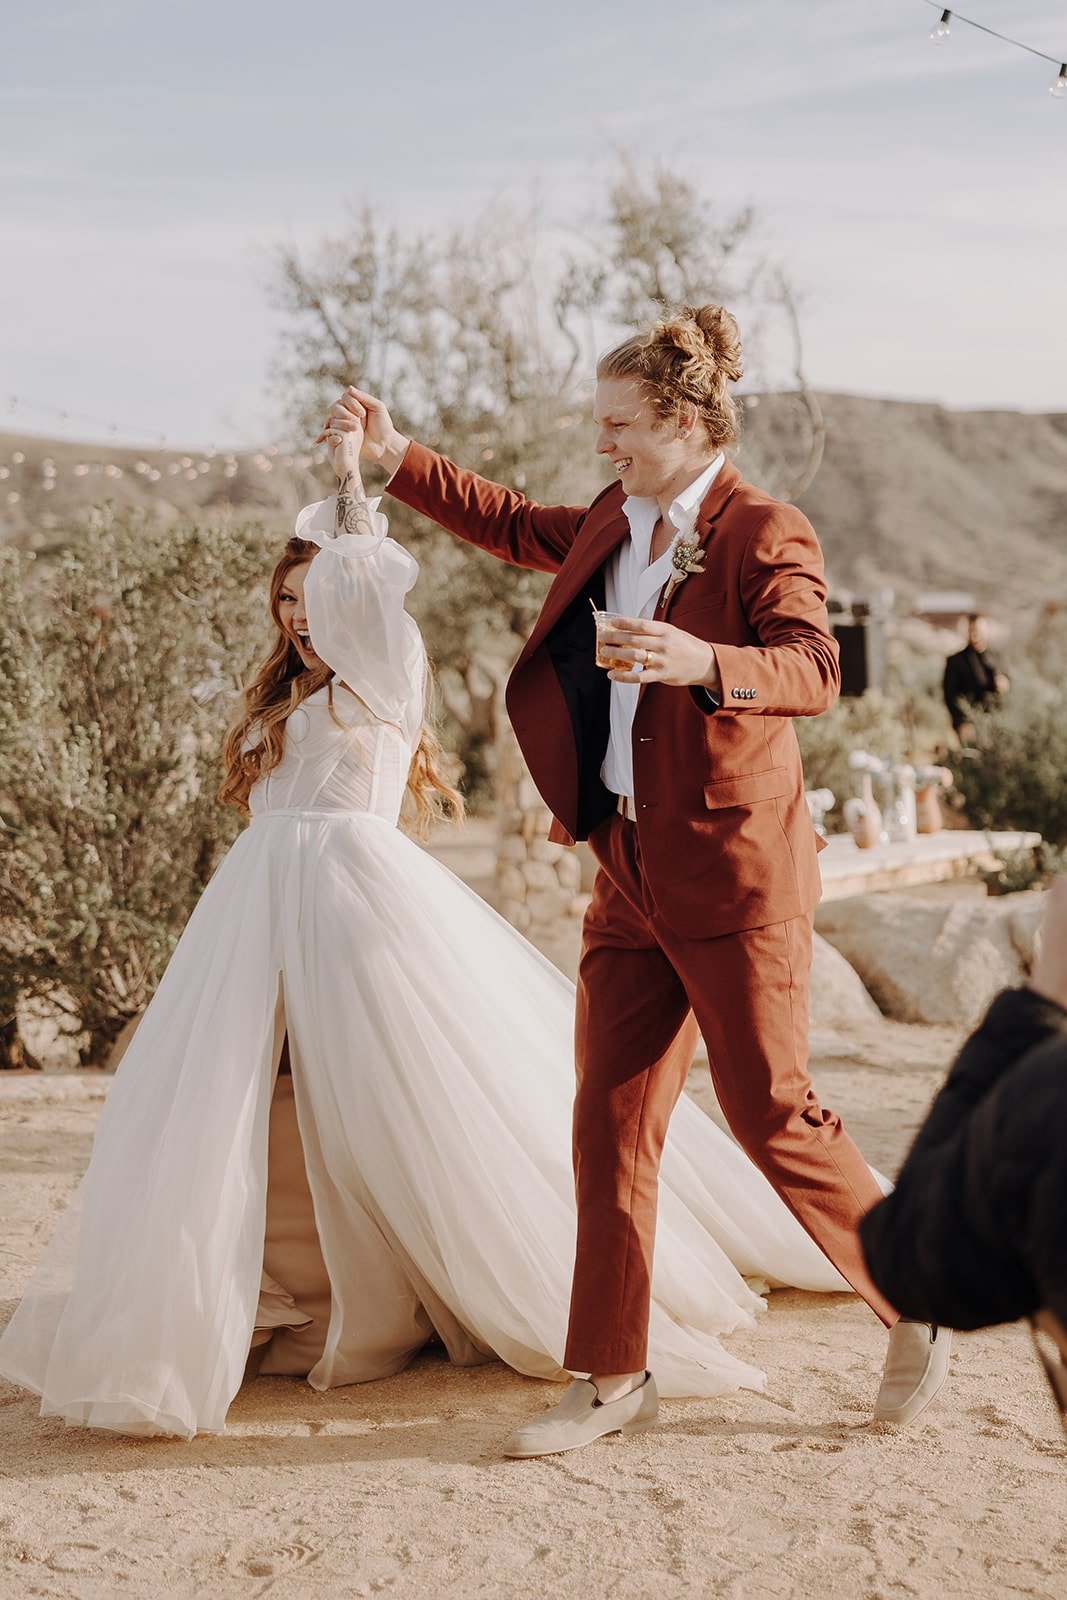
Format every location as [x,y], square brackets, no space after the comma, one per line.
[605,623]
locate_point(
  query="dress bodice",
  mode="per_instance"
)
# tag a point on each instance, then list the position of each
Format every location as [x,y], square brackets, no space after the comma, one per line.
[348,746]
[360,765]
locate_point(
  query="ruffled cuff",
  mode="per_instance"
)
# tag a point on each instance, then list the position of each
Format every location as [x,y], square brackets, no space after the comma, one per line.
[395,567]
[315,523]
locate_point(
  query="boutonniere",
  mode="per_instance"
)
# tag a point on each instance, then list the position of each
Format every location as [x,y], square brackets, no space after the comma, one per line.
[686,557]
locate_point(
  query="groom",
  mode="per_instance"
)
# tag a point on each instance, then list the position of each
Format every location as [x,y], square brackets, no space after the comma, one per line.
[681,768]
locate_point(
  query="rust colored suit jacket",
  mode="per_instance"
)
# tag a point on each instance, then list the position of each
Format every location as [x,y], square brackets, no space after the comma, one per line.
[723,828]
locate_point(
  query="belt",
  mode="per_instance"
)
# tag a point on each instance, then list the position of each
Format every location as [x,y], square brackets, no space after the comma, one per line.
[626,808]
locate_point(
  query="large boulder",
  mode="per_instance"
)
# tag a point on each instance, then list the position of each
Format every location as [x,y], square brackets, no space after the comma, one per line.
[936,960]
[839,1000]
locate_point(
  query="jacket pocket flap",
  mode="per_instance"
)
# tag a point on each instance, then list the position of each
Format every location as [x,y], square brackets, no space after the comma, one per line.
[745,790]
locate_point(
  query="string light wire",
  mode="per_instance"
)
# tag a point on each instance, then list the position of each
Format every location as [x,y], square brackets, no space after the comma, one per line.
[957,16]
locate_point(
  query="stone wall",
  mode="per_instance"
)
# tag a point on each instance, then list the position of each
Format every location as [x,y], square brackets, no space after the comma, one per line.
[538,883]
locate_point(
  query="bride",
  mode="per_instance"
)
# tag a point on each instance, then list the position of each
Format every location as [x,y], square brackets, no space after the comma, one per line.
[343,1126]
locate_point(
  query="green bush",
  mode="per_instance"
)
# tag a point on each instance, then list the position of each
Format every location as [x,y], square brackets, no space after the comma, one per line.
[1015,774]
[109,762]
[1025,869]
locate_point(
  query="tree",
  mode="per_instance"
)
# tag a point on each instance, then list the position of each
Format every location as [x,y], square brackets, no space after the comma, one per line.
[667,245]
[484,344]
[117,678]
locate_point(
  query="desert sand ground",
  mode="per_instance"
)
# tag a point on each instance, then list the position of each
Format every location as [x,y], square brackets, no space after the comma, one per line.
[397,1488]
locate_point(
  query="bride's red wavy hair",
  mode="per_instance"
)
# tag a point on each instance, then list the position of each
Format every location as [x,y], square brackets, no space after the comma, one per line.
[255,741]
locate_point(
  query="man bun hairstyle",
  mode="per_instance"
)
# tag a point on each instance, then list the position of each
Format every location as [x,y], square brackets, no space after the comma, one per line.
[685,359]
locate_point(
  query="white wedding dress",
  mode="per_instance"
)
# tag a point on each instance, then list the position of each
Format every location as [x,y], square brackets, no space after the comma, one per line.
[431,1051]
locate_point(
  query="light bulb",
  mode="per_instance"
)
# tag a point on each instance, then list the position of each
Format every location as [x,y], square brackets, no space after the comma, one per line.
[1059,88]
[940,33]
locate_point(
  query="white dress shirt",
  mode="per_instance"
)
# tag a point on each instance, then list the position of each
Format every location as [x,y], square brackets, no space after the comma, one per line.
[632,589]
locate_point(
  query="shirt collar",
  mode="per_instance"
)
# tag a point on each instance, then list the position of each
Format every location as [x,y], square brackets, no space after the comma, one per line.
[686,505]
[642,514]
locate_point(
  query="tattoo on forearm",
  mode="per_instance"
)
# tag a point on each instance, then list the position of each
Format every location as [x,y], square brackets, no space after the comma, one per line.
[353,512]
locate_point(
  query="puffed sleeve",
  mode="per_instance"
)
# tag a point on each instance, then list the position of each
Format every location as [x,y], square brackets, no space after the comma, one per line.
[354,596]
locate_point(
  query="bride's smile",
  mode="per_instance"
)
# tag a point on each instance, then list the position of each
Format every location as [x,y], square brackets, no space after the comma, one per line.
[292,617]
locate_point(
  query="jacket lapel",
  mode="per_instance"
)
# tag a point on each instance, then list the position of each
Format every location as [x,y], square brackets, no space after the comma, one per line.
[605,529]
[711,508]
[714,502]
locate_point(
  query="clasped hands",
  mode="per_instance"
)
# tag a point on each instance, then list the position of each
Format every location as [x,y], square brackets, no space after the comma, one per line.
[660,653]
[361,422]
[344,438]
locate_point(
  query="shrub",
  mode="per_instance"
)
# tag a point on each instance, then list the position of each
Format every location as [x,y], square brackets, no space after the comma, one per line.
[109,826]
[1025,869]
[1015,774]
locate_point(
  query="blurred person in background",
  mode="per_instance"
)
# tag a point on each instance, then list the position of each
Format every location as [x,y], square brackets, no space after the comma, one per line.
[972,679]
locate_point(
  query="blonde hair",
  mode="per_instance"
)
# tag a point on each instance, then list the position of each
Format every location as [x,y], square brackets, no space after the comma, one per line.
[255,741]
[686,359]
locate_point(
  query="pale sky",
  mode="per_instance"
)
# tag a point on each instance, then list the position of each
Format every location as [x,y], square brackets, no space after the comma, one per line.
[151,156]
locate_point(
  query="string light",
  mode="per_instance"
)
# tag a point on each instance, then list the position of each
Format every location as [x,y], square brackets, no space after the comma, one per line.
[48,473]
[941,32]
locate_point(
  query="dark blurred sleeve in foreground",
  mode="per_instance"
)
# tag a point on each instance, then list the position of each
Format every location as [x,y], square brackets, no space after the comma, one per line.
[975,1232]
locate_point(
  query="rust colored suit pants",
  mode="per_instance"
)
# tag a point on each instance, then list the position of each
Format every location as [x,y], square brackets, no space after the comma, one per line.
[643,995]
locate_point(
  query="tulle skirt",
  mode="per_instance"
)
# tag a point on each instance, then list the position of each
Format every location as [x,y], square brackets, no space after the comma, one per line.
[432,1068]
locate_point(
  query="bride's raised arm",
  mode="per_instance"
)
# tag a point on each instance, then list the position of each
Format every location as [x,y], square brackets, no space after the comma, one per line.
[354,594]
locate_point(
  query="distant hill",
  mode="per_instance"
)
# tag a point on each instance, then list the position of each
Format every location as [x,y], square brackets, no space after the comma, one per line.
[921,497]
[913,495]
